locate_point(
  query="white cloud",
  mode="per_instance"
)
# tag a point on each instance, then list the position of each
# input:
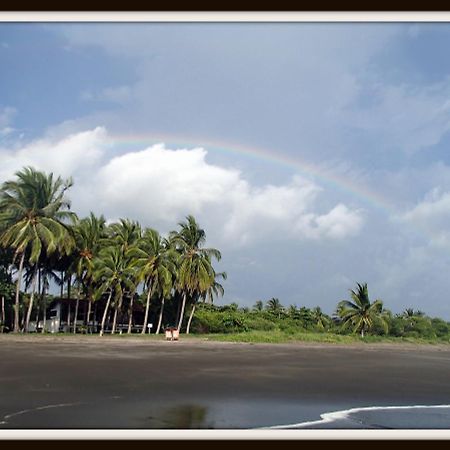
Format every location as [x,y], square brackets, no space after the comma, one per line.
[66,157]
[163,185]
[432,216]
[159,186]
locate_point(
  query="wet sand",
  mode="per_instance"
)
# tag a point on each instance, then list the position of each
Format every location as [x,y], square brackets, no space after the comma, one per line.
[90,382]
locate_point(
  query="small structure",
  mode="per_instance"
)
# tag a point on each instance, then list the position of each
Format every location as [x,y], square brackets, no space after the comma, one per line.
[172,334]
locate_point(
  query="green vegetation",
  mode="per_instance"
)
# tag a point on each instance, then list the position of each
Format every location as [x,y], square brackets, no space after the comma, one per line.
[266,324]
[121,277]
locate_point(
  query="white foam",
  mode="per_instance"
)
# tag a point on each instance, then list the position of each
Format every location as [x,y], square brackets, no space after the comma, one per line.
[334,416]
[39,408]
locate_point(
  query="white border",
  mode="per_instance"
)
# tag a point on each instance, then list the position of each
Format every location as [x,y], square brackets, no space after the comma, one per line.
[233,16]
[107,434]
[224,16]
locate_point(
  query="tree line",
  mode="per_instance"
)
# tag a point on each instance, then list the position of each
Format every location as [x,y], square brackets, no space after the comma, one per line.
[130,270]
[357,316]
[42,240]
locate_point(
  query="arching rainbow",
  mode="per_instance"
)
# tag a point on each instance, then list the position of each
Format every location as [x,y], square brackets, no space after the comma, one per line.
[271,156]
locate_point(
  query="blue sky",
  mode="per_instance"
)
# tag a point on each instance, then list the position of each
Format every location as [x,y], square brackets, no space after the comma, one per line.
[365,104]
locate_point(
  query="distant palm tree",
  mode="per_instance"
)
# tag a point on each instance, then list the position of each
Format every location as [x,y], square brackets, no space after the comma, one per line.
[360,313]
[275,307]
[35,216]
[258,306]
[321,320]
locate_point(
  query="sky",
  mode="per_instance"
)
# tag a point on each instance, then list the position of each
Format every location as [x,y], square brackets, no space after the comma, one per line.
[315,156]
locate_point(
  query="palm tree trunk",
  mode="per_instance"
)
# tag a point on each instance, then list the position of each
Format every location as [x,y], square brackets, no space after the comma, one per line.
[119,305]
[102,329]
[33,289]
[178,310]
[68,316]
[160,316]
[16,304]
[190,319]
[114,320]
[130,314]
[69,285]
[88,315]
[182,312]
[44,303]
[147,307]
[3,314]
[76,313]
[362,332]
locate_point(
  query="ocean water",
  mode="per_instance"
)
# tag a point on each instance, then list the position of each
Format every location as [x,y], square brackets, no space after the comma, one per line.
[242,414]
[380,417]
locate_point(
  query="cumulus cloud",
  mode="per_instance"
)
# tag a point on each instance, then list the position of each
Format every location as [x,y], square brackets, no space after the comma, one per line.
[431,216]
[159,186]
[67,156]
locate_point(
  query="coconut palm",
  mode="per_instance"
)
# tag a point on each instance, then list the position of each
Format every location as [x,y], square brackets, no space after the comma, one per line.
[258,306]
[214,290]
[195,271]
[321,320]
[155,260]
[275,307]
[35,216]
[113,275]
[126,235]
[360,313]
[90,234]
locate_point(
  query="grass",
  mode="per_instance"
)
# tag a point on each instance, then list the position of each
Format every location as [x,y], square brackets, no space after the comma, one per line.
[278,337]
[269,337]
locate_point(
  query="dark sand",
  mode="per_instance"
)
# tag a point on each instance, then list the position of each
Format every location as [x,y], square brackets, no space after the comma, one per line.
[91,382]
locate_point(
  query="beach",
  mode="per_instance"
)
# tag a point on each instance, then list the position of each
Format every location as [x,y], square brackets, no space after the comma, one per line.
[54,382]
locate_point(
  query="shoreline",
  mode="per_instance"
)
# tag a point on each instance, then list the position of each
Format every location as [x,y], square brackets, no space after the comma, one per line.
[88,382]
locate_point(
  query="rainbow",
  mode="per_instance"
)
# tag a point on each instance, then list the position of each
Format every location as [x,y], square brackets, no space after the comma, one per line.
[271,156]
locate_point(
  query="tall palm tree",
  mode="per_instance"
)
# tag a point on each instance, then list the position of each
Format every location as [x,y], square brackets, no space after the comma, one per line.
[155,260]
[113,275]
[35,215]
[360,313]
[90,234]
[195,271]
[125,235]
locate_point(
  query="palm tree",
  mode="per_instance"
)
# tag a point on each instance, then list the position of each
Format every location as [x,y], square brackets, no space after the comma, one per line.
[113,275]
[195,271]
[258,306]
[35,216]
[126,235]
[214,290]
[320,319]
[275,307]
[155,260]
[89,236]
[361,313]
